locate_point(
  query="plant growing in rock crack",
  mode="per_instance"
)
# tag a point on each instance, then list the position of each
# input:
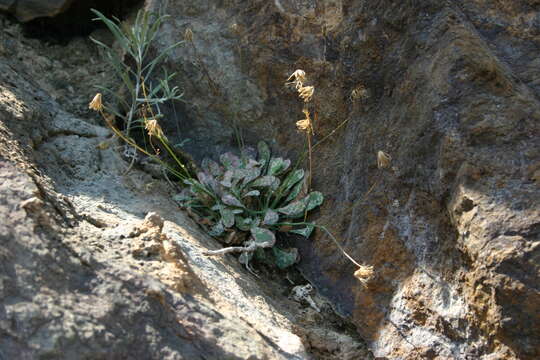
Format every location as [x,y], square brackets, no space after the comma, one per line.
[135,43]
[244,201]
[144,93]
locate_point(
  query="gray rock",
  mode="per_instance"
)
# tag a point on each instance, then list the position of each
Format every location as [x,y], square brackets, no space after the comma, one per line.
[97,263]
[26,10]
[450,90]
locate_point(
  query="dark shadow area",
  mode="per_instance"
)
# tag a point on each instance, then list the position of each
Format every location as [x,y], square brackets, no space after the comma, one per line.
[77,20]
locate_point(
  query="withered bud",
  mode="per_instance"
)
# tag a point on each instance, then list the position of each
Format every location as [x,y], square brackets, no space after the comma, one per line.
[383,160]
[305,124]
[306,93]
[96,103]
[153,128]
[298,77]
[188,35]
[364,274]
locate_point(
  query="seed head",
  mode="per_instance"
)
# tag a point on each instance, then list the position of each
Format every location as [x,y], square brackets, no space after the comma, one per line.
[96,103]
[305,124]
[364,274]
[297,78]
[306,93]
[383,160]
[359,93]
[188,35]
[153,128]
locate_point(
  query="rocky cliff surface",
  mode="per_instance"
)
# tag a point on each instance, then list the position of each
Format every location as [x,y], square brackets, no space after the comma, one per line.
[450,89]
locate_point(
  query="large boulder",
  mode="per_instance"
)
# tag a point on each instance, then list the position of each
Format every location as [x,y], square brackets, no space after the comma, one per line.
[26,10]
[451,91]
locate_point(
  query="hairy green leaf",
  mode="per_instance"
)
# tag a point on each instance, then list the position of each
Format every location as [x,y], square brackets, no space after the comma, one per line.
[217,230]
[263,237]
[284,258]
[271,217]
[264,181]
[305,231]
[230,200]
[264,153]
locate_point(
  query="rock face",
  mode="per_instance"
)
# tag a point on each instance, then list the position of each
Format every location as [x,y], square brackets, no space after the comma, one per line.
[26,10]
[450,89]
[96,263]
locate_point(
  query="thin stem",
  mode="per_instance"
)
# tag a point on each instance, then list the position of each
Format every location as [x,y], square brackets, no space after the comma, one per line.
[328,233]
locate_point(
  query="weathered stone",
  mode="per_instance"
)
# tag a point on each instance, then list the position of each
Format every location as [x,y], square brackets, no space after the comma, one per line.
[450,91]
[26,10]
[70,285]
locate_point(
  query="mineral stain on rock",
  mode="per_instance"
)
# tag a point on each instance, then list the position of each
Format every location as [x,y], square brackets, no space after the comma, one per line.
[449,90]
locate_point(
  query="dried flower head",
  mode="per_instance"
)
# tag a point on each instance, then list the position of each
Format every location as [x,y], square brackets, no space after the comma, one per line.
[305,124]
[297,78]
[153,128]
[96,103]
[188,35]
[383,160]
[359,93]
[306,93]
[364,274]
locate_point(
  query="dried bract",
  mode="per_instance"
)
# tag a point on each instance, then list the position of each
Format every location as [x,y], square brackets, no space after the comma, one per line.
[306,93]
[359,93]
[153,128]
[364,274]
[188,35]
[297,78]
[96,103]
[305,124]
[383,160]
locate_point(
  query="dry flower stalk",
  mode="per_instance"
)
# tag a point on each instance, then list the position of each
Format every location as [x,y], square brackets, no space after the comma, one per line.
[96,103]
[297,79]
[383,160]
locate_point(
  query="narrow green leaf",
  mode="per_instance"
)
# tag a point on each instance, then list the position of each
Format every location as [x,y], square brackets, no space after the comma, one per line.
[305,232]
[294,209]
[313,200]
[294,192]
[252,193]
[293,178]
[276,164]
[264,181]
[230,200]
[264,153]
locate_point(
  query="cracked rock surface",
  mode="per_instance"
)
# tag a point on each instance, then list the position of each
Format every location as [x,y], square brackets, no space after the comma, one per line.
[97,263]
[451,91]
